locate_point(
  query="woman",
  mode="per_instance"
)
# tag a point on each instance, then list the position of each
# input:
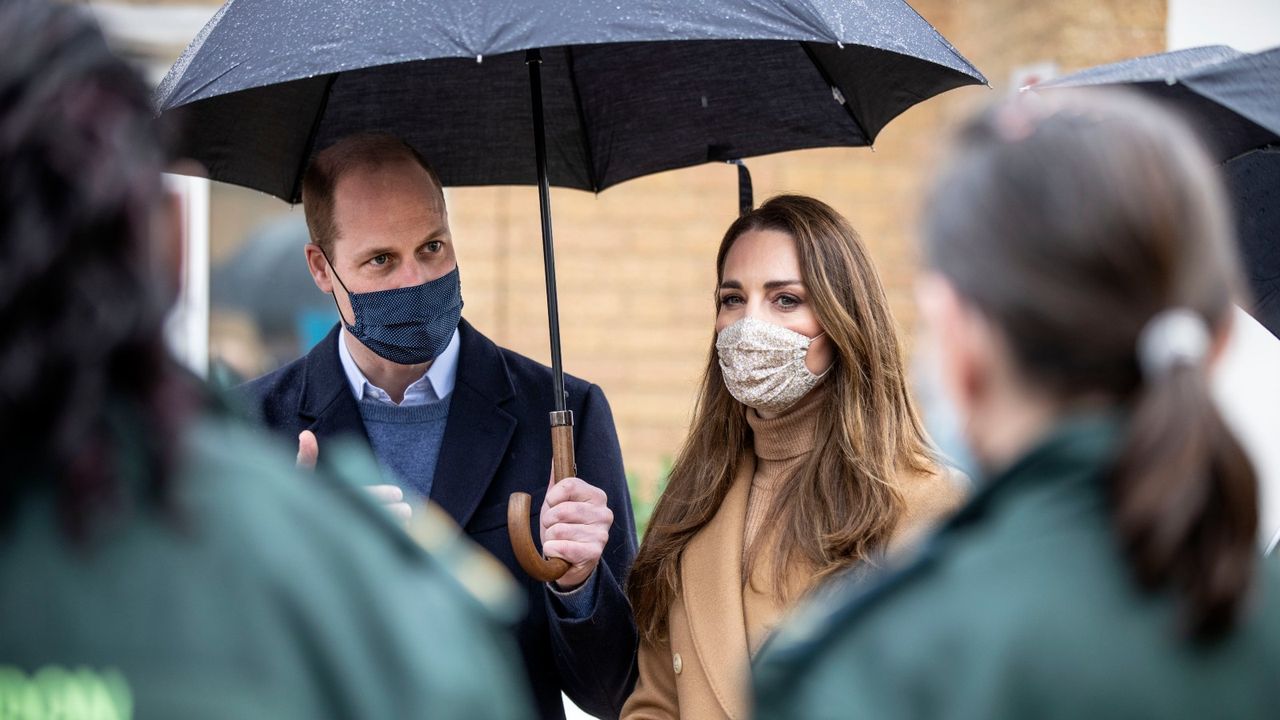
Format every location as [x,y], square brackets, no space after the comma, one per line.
[805,457]
[156,559]
[1081,279]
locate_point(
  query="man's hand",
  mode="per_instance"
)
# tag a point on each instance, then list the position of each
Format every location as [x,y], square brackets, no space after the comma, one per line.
[388,496]
[308,450]
[575,522]
[391,498]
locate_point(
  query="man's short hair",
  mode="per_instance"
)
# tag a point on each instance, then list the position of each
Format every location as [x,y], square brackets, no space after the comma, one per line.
[365,150]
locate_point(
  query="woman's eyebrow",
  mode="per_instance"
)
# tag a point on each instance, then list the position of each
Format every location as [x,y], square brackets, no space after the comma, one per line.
[730,285]
[772,284]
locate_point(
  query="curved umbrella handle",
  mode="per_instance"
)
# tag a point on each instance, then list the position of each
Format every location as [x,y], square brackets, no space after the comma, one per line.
[520,505]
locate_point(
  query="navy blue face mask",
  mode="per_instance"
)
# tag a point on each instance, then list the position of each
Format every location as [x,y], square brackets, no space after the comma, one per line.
[409,325]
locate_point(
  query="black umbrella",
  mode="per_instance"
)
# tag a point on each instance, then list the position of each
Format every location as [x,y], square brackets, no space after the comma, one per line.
[618,90]
[1233,100]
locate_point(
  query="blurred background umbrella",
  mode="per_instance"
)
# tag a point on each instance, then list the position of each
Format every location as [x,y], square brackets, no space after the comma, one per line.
[267,280]
[573,93]
[265,303]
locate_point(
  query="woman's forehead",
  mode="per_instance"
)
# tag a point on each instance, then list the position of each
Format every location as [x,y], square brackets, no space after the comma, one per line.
[762,256]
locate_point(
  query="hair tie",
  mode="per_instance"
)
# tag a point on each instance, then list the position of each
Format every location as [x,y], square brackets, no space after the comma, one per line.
[1177,336]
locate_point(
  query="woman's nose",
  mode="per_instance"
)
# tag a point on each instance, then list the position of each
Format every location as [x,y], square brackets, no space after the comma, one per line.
[757,309]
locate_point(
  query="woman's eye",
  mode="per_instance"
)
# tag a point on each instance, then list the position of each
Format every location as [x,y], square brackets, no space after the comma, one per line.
[731,300]
[787,301]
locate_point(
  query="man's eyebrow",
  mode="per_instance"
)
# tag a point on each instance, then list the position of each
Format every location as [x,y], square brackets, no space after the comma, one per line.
[435,234]
[375,252]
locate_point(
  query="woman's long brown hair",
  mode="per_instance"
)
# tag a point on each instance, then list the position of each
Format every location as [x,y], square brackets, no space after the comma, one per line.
[1070,220]
[842,504]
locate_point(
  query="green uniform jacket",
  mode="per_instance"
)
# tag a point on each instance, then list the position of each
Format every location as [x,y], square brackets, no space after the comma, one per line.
[1021,607]
[269,595]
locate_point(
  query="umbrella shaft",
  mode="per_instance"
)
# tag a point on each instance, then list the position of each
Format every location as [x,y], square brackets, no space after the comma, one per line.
[534,60]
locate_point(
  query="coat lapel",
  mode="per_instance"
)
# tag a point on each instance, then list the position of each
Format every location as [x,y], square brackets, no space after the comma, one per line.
[327,406]
[711,586]
[478,430]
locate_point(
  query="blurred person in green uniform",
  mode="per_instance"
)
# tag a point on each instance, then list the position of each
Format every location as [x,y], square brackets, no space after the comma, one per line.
[156,559]
[1080,281]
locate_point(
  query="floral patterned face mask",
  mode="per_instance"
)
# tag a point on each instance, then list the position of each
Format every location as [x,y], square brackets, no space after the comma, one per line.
[763,364]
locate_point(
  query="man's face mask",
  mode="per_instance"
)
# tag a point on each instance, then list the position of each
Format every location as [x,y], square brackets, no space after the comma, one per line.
[409,325]
[763,364]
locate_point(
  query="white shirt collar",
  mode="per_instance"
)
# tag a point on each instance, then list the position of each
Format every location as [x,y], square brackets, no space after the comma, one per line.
[434,385]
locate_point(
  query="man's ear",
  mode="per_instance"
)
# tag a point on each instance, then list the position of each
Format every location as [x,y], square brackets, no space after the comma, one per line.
[319,267]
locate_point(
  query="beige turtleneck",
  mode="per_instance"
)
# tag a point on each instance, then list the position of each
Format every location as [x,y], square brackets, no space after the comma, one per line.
[781,445]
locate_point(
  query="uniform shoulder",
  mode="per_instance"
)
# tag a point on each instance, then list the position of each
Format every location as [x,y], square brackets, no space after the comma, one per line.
[943,585]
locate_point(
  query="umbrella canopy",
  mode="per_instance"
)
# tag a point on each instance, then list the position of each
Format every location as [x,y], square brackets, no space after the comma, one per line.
[629,88]
[1253,181]
[1233,98]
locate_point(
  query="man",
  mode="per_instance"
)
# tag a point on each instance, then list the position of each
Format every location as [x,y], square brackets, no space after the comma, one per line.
[159,559]
[455,418]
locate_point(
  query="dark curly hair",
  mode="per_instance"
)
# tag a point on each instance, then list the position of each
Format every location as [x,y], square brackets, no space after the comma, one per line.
[89,400]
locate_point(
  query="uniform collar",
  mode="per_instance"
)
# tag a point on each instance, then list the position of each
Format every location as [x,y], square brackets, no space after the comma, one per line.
[1075,450]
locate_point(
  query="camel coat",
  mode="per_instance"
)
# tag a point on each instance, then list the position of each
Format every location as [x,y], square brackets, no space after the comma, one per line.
[703,670]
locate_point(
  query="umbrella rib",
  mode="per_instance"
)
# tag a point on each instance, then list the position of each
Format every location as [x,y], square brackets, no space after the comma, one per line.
[582,119]
[296,193]
[1269,147]
[826,77]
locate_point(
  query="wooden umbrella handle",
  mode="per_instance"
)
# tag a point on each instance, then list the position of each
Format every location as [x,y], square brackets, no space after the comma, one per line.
[520,506]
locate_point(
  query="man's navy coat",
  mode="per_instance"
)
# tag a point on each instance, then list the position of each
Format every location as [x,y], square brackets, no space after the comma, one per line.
[497,441]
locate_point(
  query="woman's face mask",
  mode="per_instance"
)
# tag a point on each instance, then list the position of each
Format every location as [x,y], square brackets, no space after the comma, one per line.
[767,325]
[764,364]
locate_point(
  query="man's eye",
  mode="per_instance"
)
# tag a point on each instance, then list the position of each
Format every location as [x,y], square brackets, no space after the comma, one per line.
[380,259]
[435,246]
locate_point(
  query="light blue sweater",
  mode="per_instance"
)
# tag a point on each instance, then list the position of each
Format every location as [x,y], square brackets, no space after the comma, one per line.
[406,440]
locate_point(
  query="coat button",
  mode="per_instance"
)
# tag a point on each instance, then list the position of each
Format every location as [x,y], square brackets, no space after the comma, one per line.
[676,663]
